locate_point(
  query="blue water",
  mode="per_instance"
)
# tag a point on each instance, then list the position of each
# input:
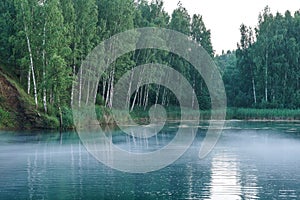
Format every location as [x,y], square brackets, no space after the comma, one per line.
[252,160]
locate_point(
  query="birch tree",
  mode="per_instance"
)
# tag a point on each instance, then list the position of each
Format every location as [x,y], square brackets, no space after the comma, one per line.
[85,36]
[25,26]
[117,16]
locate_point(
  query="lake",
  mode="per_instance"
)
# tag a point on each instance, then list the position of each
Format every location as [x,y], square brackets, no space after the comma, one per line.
[252,160]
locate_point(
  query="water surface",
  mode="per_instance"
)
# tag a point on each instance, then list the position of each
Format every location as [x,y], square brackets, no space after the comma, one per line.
[252,160]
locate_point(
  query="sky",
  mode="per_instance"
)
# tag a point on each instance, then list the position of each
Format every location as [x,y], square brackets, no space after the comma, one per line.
[224,17]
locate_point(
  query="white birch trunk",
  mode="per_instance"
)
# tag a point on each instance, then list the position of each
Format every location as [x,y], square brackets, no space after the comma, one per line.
[80,87]
[95,92]
[163,99]
[108,91]
[157,95]
[104,82]
[31,59]
[111,92]
[73,85]
[146,98]
[137,89]
[129,89]
[87,93]
[28,79]
[44,71]
[140,103]
[266,78]
[194,88]
[254,90]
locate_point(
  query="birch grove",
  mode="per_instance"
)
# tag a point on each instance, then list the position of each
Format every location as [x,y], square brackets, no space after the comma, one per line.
[45,42]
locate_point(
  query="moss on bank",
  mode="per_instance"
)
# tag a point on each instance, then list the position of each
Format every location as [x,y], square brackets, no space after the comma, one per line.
[17,109]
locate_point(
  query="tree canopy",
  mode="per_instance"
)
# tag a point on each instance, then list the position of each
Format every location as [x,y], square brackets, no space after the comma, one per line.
[46,41]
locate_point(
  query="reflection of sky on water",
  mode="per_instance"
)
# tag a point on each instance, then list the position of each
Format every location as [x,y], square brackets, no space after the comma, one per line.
[225,178]
[246,164]
[228,182]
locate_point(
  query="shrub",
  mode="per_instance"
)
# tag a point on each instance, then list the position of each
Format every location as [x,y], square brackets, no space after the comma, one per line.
[67,118]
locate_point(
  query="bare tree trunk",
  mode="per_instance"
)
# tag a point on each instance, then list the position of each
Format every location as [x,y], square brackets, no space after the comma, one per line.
[110,86]
[168,101]
[111,92]
[60,118]
[29,69]
[129,89]
[194,88]
[80,87]
[157,91]
[266,77]
[51,98]
[74,74]
[87,93]
[163,99]
[28,80]
[157,95]
[44,71]
[73,84]
[108,90]
[131,80]
[137,88]
[134,100]
[95,92]
[31,60]
[104,87]
[141,96]
[254,90]
[146,99]
[34,83]
[285,86]
[139,99]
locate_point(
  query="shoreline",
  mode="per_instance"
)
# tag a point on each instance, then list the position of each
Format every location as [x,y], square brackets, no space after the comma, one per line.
[167,121]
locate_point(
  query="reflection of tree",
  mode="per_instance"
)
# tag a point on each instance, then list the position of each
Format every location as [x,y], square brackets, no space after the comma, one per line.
[250,187]
[55,165]
[37,189]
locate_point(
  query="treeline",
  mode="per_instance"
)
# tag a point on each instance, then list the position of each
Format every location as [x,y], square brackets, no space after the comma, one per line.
[264,71]
[44,42]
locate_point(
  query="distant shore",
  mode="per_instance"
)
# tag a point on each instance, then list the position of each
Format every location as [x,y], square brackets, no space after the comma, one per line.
[174,115]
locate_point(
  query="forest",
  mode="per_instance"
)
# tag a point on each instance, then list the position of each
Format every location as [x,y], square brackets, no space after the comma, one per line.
[266,63]
[43,43]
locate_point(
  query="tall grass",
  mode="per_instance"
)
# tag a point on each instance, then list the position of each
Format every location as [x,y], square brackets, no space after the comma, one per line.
[262,114]
[141,116]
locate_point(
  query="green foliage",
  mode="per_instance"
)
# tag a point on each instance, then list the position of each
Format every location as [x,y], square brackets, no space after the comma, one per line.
[55,36]
[264,70]
[200,34]
[7,19]
[262,114]
[67,118]
[269,64]
[47,41]
[5,119]
[49,122]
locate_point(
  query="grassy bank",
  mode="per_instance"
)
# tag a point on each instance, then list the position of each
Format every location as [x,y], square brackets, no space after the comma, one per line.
[8,117]
[17,108]
[262,114]
[141,116]
[5,119]
[173,113]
